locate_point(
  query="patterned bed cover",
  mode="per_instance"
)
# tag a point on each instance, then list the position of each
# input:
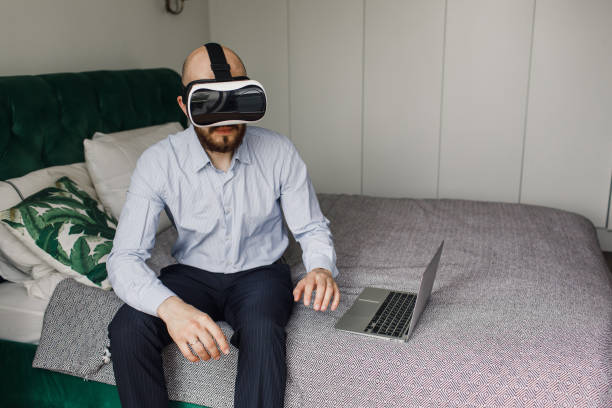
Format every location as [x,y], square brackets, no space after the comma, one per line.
[520,314]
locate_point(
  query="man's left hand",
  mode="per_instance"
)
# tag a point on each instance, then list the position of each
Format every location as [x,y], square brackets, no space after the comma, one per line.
[321,280]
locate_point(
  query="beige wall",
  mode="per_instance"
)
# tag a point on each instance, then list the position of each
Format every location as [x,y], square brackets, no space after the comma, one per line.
[41,36]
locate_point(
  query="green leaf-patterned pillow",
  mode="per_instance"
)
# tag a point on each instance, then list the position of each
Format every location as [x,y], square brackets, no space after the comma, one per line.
[67,228]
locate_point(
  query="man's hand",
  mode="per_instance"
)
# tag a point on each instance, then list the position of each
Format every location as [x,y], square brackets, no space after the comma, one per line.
[321,280]
[188,325]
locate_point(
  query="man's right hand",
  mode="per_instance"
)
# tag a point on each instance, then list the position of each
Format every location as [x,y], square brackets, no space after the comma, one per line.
[188,325]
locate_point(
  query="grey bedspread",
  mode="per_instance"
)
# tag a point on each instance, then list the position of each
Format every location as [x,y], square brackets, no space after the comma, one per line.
[520,314]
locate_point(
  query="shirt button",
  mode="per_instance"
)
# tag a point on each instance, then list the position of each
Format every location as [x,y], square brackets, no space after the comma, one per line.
[228,210]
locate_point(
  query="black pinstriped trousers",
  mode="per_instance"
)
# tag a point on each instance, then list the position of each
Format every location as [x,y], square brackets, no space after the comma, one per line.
[257,303]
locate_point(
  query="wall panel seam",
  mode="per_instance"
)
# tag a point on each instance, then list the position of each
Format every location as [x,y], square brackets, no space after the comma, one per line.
[441,97]
[363,41]
[527,93]
[608,226]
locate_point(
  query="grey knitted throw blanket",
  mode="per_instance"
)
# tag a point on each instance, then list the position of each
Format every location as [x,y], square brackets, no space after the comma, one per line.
[520,314]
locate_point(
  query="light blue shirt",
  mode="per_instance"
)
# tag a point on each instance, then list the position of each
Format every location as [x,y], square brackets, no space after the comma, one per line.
[226,221]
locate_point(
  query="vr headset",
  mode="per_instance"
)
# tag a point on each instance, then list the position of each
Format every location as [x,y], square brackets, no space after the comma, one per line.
[225,100]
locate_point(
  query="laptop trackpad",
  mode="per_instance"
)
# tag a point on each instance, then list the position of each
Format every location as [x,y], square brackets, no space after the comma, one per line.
[364,308]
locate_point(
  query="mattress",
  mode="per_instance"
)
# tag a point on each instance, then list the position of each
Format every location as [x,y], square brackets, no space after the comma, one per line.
[519,314]
[21,316]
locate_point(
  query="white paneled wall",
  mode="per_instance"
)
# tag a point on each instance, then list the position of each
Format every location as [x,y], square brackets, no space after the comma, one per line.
[325,68]
[485,93]
[403,71]
[568,146]
[505,100]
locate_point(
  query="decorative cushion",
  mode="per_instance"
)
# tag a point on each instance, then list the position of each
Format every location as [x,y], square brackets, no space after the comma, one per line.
[13,249]
[67,228]
[111,160]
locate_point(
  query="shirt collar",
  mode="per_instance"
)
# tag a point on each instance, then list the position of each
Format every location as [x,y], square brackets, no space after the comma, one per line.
[199,157]
[243,152]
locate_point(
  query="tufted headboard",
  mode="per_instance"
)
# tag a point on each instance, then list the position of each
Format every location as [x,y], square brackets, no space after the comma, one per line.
[44,118]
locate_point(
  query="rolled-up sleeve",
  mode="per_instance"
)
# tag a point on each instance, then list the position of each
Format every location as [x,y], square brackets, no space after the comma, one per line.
[131,278]
[303,215]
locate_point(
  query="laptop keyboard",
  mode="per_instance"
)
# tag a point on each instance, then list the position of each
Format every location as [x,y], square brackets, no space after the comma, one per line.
[393,316]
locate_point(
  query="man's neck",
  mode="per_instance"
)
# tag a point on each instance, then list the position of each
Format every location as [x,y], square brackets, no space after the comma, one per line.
[222,161]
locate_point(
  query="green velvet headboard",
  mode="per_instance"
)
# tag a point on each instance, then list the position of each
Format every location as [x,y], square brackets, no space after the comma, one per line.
[44,118]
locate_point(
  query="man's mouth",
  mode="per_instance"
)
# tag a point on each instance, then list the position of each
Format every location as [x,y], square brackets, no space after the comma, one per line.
[224,129]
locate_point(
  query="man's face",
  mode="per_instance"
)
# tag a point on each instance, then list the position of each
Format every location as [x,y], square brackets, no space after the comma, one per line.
[197,66]
[221,139]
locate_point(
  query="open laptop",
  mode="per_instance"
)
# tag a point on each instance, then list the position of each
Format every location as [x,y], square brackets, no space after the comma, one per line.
[389,314]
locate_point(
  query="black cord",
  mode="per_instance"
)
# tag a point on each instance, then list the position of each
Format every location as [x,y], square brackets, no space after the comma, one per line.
[15,187]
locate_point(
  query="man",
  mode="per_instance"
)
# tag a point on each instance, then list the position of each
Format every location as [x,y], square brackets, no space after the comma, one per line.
[223,187]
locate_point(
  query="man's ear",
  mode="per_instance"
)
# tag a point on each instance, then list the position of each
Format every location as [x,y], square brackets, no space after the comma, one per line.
[179,99]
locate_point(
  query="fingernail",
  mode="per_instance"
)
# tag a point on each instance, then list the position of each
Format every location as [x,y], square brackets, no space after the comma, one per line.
[226,351]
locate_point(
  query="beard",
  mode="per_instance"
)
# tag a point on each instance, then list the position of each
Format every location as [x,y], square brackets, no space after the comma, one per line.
[221,142]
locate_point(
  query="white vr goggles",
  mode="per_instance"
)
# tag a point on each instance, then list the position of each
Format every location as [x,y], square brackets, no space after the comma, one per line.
[225,100]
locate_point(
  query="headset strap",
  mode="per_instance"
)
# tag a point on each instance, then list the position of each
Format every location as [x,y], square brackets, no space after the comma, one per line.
[218,63]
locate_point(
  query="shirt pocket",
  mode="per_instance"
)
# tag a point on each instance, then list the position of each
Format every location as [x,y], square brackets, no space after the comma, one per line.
[197,212]
[261,217]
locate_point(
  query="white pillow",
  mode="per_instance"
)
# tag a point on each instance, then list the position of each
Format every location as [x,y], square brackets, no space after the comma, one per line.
[43,288]
[10,273]
[111,159]
[14,250]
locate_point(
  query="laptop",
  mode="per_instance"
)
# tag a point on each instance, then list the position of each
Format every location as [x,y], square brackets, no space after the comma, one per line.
[388,314]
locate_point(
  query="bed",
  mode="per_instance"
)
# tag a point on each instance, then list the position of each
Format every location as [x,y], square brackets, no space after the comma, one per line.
[520,313]
[43,120]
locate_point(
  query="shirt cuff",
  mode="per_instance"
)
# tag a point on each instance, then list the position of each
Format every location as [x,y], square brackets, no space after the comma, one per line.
[153,297]
[321,261]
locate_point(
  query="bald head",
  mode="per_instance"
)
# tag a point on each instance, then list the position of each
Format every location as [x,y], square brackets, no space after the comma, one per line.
[197,65]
